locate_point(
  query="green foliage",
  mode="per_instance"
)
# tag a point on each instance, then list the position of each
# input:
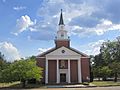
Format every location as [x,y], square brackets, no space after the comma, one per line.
[109,51]
[105,72]
[2,62]
[107,63]
[22,70]
[1,56]
[115,66]
[98,60]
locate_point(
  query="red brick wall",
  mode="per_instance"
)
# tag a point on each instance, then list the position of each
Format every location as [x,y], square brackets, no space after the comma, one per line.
[60,43]
[74,71]
[52,71]
[41,63]
[85,68]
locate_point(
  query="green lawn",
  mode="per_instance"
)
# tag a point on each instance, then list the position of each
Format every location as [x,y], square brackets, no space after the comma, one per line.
[18,85]
[106,83]
[9,84]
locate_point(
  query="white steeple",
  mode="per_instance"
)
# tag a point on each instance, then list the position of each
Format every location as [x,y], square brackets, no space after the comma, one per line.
[62,33]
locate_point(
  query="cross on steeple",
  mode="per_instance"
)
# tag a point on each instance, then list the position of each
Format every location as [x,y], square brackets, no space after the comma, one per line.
[61,22]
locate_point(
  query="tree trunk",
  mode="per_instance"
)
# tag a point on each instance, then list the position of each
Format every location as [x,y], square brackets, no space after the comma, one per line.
[91,77]
[23,83]
[115,77]
[98,78]
[104,79]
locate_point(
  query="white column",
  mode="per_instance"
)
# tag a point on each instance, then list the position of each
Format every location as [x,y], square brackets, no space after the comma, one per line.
[69,81]
[58,74]
[79,71]
[46,71]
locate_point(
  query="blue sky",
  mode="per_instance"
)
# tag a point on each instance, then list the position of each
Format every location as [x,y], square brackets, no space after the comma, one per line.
[28,27]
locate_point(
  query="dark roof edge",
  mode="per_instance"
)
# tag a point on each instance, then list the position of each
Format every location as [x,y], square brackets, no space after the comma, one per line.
[48,51]
[79,52]
[52,49]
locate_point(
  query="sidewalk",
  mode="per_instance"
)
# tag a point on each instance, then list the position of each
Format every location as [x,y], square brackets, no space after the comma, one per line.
[71,86]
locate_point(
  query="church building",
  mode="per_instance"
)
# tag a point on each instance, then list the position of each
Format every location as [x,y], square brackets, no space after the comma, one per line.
[63,64]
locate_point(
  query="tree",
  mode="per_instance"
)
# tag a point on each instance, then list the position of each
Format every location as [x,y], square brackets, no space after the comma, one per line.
[2,61]
[97,66]
[110,51]
[3,64]
[22,71]
[105,72]
[96,72]
[115,67]
[91,71]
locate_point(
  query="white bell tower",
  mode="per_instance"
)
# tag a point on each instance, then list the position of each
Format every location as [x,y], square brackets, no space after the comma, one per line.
[61,33]
[62,38]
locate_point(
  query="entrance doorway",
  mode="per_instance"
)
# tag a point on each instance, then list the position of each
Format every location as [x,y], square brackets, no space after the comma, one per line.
[62,77]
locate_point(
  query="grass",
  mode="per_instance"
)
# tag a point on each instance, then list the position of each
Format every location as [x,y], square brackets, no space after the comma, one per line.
[18,85]
[14,84]
[106,83]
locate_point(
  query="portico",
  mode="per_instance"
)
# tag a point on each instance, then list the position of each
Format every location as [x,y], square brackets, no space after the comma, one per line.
[63,64]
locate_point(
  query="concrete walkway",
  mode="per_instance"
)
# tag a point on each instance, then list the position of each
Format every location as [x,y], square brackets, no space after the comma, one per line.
[70,86]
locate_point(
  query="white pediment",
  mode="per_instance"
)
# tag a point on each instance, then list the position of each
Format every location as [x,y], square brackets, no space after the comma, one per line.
[63,51]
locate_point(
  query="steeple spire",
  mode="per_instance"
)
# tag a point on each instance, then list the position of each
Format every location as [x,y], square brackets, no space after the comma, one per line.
[61,22]
[62,38]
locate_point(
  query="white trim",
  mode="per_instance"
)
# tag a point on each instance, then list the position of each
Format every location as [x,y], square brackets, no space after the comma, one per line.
[79,71]
[46,72]
[62,39]
[69,81]
[66,72]
[79,52]
[66,57]
[58,73]
[40,57]
[85,57]
[58,51]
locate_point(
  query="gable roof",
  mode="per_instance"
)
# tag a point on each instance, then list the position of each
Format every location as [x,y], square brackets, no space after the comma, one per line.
[53,49]
[63,51]
[81,53]
[46,52]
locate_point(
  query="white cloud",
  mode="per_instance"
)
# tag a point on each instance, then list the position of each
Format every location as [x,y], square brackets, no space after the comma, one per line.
[105,26]
[93,48]
[76,10]
[41,50]
[50,13]
[73,11]
[23,24]
[101,28]
[17,8]
[10,52]
[70,9]
[56,1]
